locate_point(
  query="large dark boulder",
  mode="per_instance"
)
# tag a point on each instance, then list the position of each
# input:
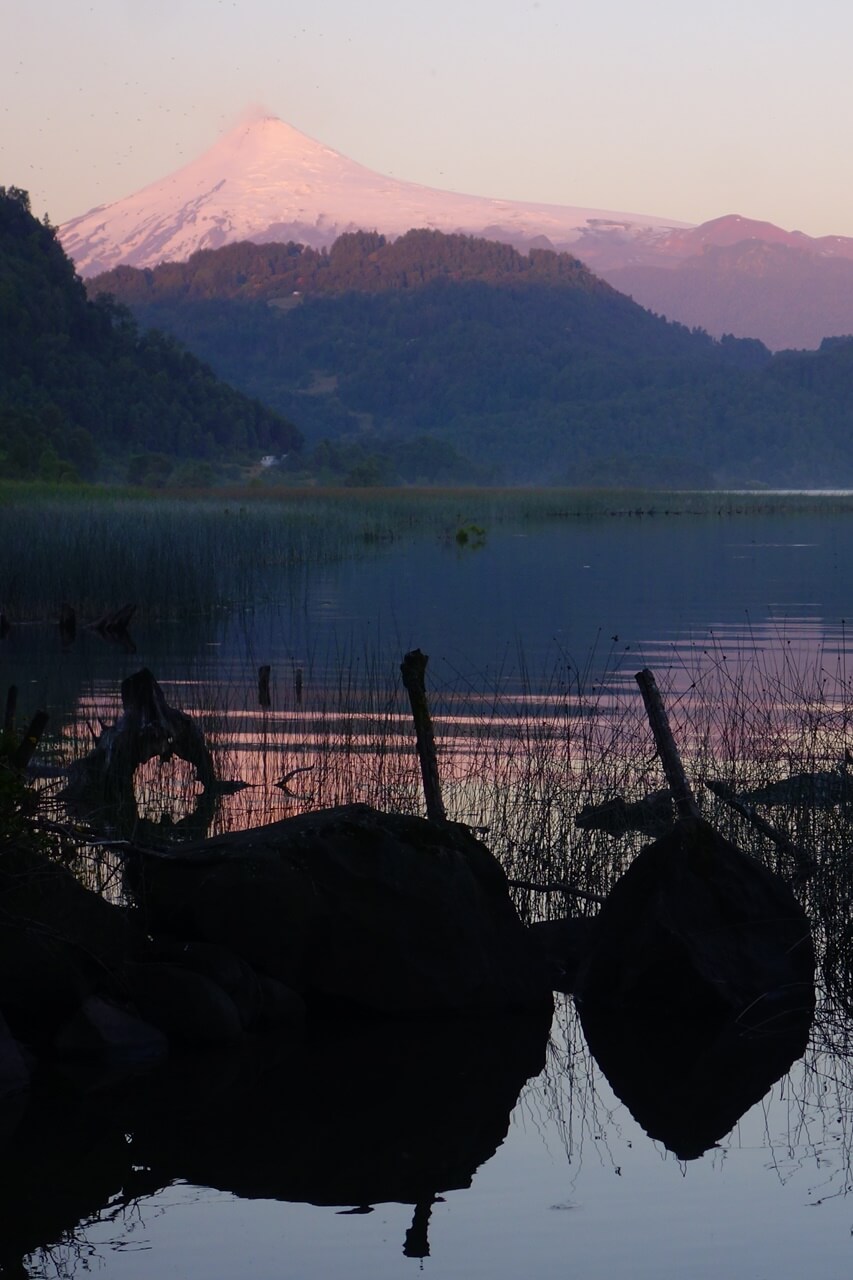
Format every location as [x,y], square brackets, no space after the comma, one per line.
[695,927]
[363,910]
[696,991]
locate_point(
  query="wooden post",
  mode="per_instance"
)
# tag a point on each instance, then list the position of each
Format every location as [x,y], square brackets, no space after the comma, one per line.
[413,668]
[11,704]
[264,685]
[685,802]
[23,753]
[67,623]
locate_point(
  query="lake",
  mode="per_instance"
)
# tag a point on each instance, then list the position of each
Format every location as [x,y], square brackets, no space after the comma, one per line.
[469,1151]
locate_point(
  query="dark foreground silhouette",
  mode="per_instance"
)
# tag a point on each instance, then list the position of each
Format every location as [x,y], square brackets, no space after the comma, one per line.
[355,1116]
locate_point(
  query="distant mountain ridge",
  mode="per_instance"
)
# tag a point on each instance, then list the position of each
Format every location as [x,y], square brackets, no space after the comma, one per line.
[266,182]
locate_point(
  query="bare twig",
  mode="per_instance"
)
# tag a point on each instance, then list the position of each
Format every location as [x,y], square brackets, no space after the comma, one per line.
[557,886]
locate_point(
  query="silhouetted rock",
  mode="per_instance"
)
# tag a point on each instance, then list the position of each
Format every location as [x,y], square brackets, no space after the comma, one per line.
[697,990]
[14,1070]
[365,910]
[695,927]
[59,944]
[187,1007]
[110,1033]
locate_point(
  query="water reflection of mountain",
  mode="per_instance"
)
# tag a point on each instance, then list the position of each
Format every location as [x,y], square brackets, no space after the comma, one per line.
[356,1116]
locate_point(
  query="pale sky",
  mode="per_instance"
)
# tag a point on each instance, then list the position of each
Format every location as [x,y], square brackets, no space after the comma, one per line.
[659,107]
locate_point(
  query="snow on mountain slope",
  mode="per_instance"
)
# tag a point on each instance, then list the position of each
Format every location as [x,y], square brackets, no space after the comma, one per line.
[266,181]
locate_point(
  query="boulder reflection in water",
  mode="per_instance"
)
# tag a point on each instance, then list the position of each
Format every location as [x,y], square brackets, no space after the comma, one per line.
[356,1116]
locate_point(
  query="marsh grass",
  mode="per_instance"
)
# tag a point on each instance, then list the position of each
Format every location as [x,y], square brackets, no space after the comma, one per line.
[522,753]
[181,555]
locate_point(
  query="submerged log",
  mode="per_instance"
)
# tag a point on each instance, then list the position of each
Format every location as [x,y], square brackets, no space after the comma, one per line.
[113,626]
[823,789]
[147,727]
[653,815]
[114,622]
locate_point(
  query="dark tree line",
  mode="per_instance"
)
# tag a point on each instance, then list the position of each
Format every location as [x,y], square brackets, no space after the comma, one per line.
[524,367]
[80,381]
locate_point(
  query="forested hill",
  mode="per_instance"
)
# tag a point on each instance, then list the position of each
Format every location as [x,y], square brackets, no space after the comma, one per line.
[79,382]
[443,357]
[360,260]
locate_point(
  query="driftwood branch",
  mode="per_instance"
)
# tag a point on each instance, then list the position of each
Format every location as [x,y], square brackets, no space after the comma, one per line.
[557,886]
[803,860]
[115,621]
[685,801]
[413,669]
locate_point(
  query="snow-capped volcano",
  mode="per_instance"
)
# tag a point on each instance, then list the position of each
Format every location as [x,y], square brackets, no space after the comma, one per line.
[267,181]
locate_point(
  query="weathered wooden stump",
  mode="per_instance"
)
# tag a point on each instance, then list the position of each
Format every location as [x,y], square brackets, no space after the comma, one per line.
[147,727]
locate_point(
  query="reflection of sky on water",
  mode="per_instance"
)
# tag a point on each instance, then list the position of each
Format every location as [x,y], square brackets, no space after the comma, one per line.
[574,600]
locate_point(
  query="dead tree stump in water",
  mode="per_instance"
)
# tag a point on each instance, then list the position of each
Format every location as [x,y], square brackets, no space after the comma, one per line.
[148,726]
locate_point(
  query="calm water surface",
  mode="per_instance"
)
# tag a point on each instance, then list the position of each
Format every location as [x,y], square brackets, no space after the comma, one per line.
[575,1186]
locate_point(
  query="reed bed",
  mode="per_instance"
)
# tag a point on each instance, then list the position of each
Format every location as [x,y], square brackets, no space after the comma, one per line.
[181,556]
[520,758]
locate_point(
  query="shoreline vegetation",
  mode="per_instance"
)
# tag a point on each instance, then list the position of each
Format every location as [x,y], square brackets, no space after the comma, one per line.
[180,554]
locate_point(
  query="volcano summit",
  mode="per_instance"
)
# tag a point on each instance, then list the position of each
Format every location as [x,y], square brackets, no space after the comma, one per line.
[265,181]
